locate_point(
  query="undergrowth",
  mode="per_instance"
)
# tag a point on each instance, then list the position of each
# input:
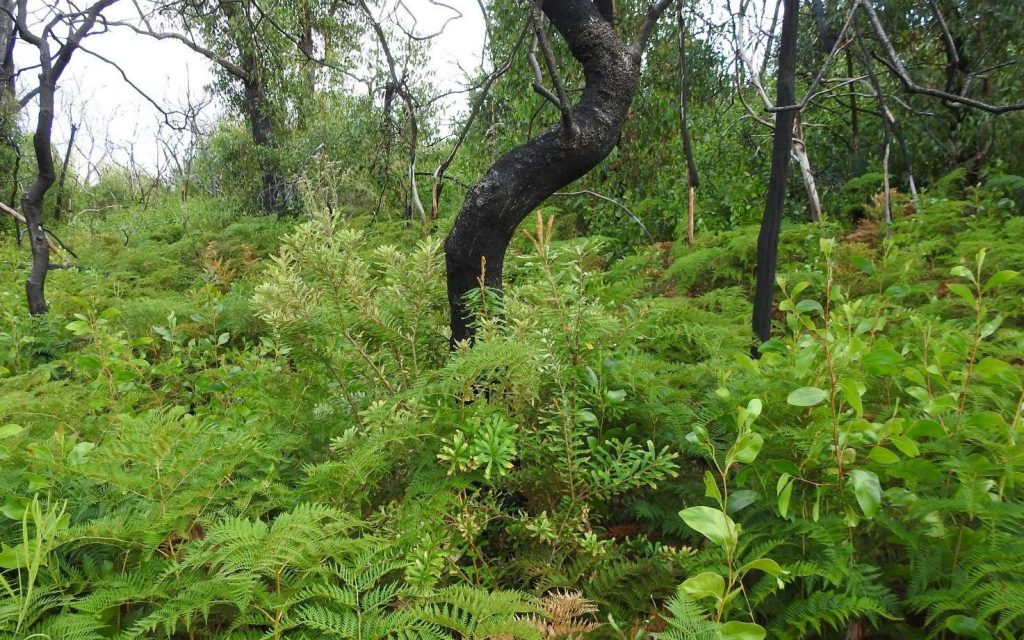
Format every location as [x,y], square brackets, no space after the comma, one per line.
[255,429]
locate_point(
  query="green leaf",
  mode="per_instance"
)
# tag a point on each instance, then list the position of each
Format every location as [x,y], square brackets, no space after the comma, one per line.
[753,409]
[962,272]
[88,363]
[742,631]
[740,499]
[713,524]
[805,306]
[711,487]
[807,397]
[991,326]
[963,291]
[968,627]
[80,453]
[999,278]
[704,585]
[998,372]
[881,455]
[882,362]
[746,448]
[78,327]
[616,396]
[863,264]
[867,490]
[14,507]
[223,338]
[10,430]
[13,557]
[851,392]
[906,446]
[784,488]
[926,429]
[767,565]
[784,466]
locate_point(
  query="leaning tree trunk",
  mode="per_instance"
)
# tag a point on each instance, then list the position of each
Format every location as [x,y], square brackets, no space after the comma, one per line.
[782,142]
[802,159]
[32,202]
[525,176]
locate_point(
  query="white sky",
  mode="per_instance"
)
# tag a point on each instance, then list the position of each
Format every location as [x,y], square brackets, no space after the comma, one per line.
[117,117]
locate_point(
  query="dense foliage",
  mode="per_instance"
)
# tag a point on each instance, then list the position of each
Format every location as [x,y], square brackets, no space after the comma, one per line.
[240,426]
[222,438]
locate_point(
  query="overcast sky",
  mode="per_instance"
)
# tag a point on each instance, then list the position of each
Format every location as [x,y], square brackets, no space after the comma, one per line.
[94,92]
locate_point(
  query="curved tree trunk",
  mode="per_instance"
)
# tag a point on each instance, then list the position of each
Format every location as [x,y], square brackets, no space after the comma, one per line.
[782,142]
[32,202]
[525,176]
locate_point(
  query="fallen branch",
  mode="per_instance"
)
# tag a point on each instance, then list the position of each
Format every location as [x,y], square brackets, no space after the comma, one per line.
[55,243]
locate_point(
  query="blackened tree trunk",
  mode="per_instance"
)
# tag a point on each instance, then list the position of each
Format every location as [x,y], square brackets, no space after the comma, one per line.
[261,125]
[684,127]
[775,202]
[51,67]
[525,176]
[32,204]
[7,40]
[64,205]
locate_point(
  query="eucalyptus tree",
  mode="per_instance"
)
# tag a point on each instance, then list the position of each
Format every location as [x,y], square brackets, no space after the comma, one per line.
[524,177]
[266,54]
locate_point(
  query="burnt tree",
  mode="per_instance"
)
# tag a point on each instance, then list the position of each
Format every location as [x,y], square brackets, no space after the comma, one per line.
[51,66]
[525,176]
[775,201]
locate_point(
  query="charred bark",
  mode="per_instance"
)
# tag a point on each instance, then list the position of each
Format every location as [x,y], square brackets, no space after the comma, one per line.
[63,205]
[525,176]
[684,126]
[7,41]
[775,202]
[261,125]
[51,69]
